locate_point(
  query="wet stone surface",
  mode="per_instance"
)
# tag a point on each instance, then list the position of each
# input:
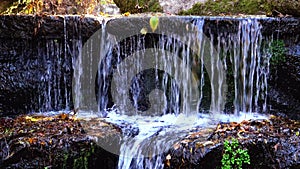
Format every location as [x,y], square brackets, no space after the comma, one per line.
[272,143]
[55,142]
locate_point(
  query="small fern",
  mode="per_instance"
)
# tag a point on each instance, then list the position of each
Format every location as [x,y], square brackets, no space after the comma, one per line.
[233,156]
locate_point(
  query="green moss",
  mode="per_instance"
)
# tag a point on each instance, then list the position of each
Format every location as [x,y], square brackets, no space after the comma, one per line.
[78,159]
[230,7]
[277,50]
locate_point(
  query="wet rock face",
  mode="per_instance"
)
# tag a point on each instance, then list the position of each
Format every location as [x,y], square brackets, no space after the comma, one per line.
[36,58]
[284,78]
[284,93]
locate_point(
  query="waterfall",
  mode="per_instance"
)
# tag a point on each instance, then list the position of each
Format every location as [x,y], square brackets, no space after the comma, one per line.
[54,58]
[158,84]
[187,73]
[250,61]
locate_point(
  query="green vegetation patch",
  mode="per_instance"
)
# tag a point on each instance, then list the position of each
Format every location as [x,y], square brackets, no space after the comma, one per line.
[234,156]
[230,7]
[277,50]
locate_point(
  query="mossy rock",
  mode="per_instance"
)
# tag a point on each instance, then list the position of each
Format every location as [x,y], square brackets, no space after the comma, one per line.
[286,7]
[134,6]
[253,7]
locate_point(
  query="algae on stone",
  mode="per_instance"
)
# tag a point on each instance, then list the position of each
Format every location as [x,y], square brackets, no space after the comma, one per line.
[229,7]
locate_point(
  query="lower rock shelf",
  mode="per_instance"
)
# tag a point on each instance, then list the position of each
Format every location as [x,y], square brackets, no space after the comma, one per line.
[63,141]
[273,143]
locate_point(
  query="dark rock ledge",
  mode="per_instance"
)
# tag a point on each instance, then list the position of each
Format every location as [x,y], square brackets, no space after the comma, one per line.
[63,141]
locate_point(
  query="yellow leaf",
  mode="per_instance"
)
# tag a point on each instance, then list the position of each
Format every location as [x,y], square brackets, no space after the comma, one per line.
[31,119]
[154,22]
[126,14]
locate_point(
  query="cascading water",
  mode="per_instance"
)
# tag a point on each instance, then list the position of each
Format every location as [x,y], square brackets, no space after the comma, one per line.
[157,84]
[55,68]
[251,67]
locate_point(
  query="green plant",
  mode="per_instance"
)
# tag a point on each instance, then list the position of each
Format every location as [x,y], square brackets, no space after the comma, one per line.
[233,156]
[277,50]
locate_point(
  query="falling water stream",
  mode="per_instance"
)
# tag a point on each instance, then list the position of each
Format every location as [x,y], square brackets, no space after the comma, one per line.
[190,81]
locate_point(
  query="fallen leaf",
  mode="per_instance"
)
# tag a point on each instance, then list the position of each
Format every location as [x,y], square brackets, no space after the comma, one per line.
[126,14]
